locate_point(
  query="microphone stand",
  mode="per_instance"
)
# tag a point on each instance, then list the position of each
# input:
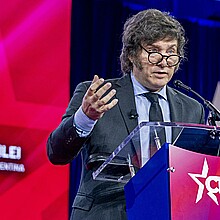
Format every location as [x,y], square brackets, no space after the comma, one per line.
[215,113]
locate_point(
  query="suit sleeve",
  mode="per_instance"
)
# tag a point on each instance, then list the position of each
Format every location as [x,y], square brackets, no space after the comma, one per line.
[202,120]
[64,144]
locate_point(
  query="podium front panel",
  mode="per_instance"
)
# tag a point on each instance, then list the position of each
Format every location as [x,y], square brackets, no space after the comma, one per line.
[176,184]
[147,193]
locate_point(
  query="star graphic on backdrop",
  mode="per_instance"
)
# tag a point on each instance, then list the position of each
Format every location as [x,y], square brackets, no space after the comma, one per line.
[208,180]
[195,177]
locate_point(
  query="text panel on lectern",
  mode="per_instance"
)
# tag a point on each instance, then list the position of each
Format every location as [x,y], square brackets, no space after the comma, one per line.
[195,185]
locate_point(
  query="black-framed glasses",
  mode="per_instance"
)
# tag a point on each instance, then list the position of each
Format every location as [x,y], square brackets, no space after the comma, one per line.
[156,57]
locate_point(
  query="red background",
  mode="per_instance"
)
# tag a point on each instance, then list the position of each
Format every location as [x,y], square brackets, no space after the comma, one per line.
[34,92]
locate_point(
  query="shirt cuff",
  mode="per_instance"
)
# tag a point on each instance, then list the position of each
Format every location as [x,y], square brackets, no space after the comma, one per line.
[83,123]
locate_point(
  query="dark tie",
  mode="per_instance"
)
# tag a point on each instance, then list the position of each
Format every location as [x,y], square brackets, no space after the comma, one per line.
[155,115]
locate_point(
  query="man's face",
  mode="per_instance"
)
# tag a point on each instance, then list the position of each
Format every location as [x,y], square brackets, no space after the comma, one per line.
[155,76]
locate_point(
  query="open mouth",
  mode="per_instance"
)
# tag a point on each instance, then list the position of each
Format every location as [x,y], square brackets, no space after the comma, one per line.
[160,74]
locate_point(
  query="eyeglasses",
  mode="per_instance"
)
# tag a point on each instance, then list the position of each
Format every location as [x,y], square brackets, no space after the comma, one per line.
[156,57]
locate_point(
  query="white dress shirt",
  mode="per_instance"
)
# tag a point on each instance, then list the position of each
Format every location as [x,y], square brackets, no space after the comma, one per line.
[143,107]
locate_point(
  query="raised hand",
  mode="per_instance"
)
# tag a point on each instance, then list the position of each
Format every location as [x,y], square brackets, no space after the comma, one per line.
[94,104]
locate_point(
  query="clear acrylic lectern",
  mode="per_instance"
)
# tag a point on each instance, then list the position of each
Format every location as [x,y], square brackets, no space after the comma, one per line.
[128,157]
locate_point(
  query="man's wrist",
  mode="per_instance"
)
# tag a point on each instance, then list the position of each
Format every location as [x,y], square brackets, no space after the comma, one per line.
[82,123]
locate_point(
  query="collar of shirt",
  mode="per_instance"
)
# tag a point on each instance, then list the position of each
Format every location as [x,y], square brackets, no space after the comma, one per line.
[140,89]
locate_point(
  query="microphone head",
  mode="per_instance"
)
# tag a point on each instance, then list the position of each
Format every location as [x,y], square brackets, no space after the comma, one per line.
[177,83]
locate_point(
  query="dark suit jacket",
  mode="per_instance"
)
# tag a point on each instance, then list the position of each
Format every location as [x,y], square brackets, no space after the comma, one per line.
[99,199]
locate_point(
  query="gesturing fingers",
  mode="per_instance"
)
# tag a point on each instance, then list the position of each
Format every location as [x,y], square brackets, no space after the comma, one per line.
[101,102]
[100,92]
[96,82]
[98,99]
[108,106]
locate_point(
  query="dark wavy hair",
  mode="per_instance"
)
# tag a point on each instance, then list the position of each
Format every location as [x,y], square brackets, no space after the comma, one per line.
[147,27]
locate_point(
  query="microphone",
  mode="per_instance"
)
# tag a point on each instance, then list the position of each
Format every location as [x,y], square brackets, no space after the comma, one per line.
[214,111]
[133,114]
[179,84]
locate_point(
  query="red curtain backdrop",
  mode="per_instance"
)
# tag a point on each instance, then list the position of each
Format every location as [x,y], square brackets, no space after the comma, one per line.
[34,93]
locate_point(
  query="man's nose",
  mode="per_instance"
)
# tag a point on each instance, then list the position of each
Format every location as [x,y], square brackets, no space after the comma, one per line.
[163,62]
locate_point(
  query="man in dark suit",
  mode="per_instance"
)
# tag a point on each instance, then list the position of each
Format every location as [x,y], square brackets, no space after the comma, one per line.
[98,117]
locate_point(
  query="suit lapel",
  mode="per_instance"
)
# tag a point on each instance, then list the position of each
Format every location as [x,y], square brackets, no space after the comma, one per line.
[125,95]
[126,104]
[175,105]
[176,110]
